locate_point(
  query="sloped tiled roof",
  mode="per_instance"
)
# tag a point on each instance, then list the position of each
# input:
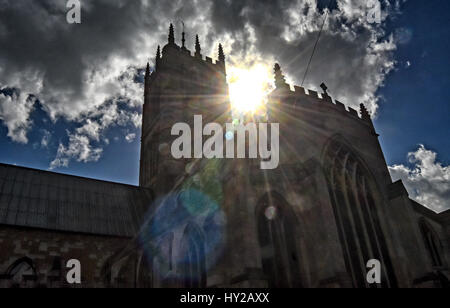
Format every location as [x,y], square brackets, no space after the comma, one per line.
[52,201]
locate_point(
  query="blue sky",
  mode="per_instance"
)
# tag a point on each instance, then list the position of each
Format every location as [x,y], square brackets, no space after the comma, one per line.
[86,80]
[119,162]
[416,104]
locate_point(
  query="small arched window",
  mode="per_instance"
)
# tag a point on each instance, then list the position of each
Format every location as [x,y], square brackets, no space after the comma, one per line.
[276,232]
[355,200]
[432,242]
[21,271]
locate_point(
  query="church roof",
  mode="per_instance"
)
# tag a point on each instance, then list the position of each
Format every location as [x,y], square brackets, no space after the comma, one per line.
[443,217]
[52,201]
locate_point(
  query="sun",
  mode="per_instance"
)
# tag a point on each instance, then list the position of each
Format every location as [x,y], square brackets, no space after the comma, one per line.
[249,88]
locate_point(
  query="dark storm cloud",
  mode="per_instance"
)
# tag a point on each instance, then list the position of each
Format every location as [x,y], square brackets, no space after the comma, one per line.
[350,57]
[38,38]
[81,71]
[37,41]
[267,17]
[73,69]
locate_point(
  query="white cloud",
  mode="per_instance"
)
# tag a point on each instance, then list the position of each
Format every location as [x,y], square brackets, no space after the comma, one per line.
[79,148]
[136,118]
[94,125]
[14,112]
[91,129]
[46,136]
[351,46]
[102,82]
[403,35]
[96,64]
[427,181]
[130,137]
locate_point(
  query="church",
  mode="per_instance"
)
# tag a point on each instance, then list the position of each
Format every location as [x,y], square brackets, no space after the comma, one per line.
[316,221]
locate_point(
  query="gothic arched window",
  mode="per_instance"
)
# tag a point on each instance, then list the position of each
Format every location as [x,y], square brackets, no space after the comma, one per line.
[163,260]
[193,267]
[276,232]
[125,275]
[355,201]
[432,242]
[145,273]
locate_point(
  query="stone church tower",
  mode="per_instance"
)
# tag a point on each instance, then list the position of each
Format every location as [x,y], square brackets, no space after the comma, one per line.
[315,221]
[179,87]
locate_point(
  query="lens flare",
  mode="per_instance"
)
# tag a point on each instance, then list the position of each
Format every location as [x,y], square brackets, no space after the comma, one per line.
[186,228]
[229,135]
[271,213]
[183,221]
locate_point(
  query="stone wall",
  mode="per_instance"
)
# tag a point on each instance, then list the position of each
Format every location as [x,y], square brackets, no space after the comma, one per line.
[48,252]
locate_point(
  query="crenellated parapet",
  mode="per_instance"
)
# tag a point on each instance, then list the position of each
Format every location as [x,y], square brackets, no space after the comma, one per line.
[297,97]
[194,57]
